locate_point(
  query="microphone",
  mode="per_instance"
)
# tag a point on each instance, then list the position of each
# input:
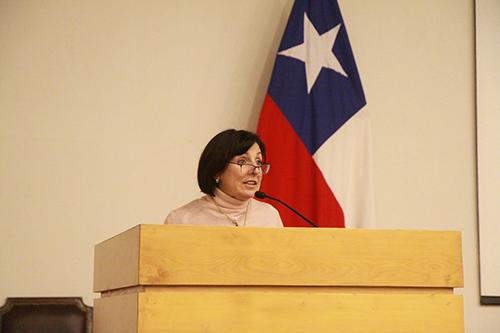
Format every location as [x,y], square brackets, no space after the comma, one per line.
[262,195]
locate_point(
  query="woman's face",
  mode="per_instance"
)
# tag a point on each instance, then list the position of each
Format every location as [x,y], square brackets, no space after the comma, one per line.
[242,182]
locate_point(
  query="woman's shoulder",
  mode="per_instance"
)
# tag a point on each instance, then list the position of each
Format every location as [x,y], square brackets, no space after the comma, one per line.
[266,213]
[263,205]
[179,215]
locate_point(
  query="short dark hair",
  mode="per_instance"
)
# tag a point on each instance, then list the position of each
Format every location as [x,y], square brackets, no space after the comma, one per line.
[219,151]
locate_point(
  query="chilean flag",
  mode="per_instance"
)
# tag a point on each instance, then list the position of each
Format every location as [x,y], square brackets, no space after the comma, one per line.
[317,134]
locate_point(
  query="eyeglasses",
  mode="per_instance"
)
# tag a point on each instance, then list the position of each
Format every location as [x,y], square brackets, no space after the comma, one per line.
[246,167]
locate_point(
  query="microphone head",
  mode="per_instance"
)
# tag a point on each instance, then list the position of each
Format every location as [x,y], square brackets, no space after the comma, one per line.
[260,195]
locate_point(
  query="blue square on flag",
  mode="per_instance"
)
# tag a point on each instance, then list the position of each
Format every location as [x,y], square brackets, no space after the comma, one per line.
[315,80]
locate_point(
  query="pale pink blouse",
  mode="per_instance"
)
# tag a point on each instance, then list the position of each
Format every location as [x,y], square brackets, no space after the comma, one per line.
[223,210]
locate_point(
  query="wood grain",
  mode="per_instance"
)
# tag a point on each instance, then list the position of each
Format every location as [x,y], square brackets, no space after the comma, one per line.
[288,313]
[156,278]
[180,255]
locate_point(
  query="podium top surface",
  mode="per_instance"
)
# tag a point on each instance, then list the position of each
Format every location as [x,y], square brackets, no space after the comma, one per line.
[170,255]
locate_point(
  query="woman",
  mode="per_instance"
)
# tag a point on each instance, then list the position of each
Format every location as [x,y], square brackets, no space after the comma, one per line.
[230,171]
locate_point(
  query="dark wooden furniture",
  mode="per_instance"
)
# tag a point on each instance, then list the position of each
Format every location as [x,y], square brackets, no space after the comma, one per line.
[45,315]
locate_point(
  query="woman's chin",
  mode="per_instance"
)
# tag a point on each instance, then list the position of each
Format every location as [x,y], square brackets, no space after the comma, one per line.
[248,194]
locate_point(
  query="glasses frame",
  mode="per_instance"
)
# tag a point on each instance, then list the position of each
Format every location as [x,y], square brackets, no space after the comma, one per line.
[255,167]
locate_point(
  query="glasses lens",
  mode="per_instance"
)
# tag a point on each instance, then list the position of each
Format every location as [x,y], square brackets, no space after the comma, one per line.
[265,168]
[247,168]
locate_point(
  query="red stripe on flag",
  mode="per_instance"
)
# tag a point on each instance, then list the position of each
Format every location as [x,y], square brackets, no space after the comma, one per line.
[308,193]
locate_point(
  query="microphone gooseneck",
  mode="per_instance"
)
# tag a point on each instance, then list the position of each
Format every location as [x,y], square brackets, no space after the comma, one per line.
[262,195]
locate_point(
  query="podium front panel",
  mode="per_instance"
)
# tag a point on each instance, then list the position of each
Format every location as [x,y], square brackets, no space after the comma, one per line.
[181,255]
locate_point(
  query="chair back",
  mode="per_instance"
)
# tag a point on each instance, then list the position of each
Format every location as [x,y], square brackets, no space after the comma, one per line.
[45,315]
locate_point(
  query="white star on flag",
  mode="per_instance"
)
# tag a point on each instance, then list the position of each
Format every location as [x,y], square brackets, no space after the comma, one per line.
[316,52]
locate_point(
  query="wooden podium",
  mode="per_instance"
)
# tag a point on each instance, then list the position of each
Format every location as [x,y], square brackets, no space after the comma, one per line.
[162,278]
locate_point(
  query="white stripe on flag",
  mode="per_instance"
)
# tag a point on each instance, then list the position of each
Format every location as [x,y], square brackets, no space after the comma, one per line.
[346,162]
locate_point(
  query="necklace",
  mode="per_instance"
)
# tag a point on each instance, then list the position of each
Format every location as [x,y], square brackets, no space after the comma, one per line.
[233,220]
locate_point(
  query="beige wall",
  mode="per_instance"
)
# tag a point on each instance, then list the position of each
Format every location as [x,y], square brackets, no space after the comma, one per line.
[105,106]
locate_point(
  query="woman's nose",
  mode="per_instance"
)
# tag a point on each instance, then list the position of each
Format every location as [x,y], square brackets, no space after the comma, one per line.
[255,170]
